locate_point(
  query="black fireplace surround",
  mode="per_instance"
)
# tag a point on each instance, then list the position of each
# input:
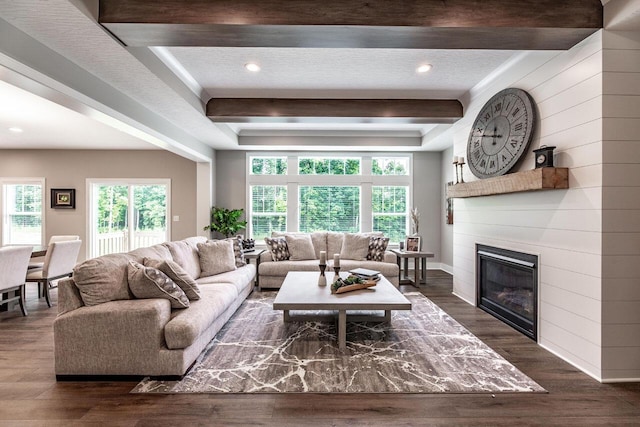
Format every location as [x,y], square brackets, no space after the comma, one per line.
[507,287]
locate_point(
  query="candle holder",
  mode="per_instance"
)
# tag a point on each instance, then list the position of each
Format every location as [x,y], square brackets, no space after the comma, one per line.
[455,165]
[461,164]
[322,280]
[336,270]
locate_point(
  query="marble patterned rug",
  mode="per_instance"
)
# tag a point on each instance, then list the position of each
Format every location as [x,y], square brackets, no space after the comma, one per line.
[422,351]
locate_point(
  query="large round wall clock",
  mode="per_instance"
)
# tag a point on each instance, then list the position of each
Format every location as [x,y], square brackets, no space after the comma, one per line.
[501,133]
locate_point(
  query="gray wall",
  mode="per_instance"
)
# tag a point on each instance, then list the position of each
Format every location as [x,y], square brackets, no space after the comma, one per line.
[71,168]
[230,172]
[446,236]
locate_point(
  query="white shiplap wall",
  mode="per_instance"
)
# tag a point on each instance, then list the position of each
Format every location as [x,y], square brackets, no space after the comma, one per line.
[621,210]
[562,227]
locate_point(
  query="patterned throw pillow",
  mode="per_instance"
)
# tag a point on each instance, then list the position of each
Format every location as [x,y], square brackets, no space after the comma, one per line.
[237,250]
[148,282]
[176,273]
[278,248]
[377,248]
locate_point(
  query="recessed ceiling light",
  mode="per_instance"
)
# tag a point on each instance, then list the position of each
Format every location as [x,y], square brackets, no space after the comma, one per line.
[423,68]
[252,66]
[15,130]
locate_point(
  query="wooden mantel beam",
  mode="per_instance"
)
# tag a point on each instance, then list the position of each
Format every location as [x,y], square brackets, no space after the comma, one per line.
[316,110]
[407,24]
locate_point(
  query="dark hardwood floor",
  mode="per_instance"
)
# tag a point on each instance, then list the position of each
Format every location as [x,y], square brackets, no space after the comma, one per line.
[30,396]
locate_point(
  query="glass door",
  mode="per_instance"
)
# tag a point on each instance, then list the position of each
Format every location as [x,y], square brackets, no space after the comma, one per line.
[128,215]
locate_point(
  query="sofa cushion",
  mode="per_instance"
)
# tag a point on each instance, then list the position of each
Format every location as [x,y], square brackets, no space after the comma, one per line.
[278,248]
[149,282]
[377,248]
[237,250]
[283,267]
[216,256]
[300,247]
[334,243]
[159,251]
[186,255]
[318,238]
[355,246]
[241,278]
[103,279]
[186,326]
[176,273]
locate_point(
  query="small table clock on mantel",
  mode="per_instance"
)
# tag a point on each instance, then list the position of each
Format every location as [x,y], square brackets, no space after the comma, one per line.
[544,157]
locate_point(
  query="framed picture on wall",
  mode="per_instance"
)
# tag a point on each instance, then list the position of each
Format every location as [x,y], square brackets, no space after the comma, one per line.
[63,198]
[412,244]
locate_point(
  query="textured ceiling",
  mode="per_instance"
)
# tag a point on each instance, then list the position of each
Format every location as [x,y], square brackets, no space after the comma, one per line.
[338,73]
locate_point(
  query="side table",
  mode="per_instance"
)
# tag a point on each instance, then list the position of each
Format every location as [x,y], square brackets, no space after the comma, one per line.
[420,268]
[255,255]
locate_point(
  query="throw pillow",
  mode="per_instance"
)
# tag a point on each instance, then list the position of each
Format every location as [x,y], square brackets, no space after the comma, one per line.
[278,248]
[355,246]
[377,248]
[237,250]
[176,273]
[300,247]
[148,282]
[216,256]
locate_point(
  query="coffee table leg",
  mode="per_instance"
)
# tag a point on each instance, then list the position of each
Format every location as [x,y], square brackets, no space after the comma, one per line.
[342,329]
[287,317]
[387,315]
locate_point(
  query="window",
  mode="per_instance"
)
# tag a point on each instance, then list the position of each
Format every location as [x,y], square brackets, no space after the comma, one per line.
[390,166]
[328,166]
[268,165]
[390,208]
[335,208]
[345,192]
[268,210]
[22,219]
[127,215]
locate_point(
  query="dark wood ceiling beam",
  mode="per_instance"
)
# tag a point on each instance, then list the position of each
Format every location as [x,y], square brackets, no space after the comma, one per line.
[411,24]
[317,110]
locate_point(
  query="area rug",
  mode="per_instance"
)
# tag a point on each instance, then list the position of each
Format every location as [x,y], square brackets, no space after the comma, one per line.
[420,351]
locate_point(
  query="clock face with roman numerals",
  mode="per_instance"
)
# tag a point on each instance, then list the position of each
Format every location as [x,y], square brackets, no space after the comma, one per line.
[501,133]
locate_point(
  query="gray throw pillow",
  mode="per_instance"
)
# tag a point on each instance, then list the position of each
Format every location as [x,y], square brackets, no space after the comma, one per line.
[216,256]
[278,248]
[355,246]
[377,248]
[148,282]
[300,247]
[176,273]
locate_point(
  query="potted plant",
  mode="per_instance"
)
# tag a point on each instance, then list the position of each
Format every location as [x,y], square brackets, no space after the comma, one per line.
[226,221]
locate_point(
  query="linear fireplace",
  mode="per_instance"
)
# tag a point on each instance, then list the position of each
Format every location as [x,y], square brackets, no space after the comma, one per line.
[507,287]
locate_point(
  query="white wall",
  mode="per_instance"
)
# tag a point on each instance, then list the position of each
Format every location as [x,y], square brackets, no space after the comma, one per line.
[621,199]
[446,234]
[563,227]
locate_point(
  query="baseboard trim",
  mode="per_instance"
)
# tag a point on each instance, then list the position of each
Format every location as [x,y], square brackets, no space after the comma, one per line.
[63,378]
[464,299]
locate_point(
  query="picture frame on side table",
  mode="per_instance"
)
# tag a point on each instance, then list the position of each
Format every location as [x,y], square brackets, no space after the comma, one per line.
[63,198]
[412,244]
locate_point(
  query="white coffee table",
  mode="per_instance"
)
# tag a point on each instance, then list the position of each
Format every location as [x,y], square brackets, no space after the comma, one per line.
[300,291]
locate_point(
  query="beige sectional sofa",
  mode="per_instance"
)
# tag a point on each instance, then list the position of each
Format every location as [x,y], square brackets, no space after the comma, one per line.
[272,273]
[101,329]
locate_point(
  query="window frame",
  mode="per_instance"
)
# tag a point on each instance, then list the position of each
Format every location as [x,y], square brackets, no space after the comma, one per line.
[22,181]
[293,181]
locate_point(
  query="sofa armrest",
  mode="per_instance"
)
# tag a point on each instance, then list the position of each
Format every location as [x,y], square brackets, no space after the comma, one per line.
[92,340]
[69,297]
[266,256]
[390,257]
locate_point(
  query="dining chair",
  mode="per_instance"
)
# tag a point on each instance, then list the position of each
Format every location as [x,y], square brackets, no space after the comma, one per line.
[13,269]
[59,261]
[38,262]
